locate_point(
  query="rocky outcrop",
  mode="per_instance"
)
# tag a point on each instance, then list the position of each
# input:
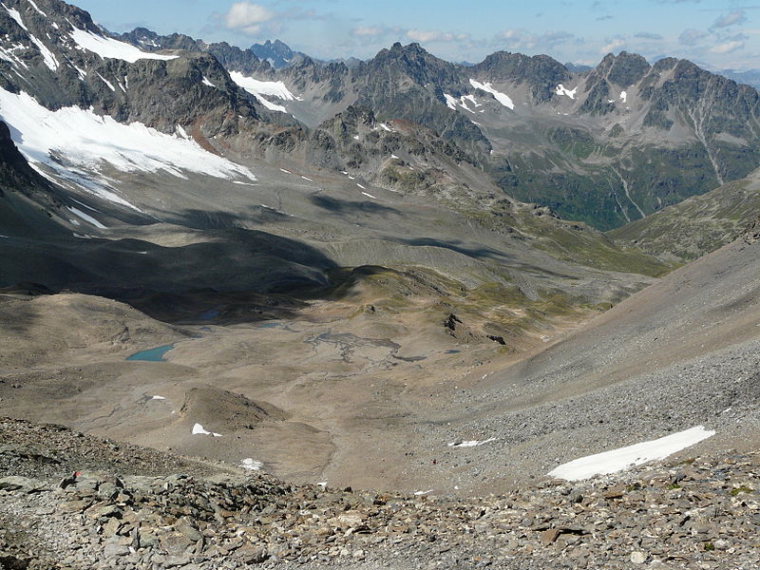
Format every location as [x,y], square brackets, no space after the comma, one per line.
[695,513]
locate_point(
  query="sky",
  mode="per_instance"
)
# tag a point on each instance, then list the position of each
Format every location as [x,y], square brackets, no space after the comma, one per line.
[714,34]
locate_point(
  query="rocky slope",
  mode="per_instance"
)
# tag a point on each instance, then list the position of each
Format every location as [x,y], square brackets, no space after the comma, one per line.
[78,505]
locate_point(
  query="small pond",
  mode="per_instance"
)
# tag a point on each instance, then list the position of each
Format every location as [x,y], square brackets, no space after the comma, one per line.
[153,354]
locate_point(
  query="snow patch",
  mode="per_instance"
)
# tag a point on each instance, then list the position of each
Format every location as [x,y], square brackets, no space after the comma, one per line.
[624,96]
[562,90]
[104,80]
[82,73]
[260,89]
[471,99]
[420,493]
[360,186]
[198,429]
[207,82]
[471,443]
[13,13]
[86,217]
[37,8]
[157,397]
[269,88]
[74,137]
[625,457]
[286,171]
[452,102]
[10,56]
[113,49]
[386,127]
[47,55]
[369,195]
[307,178]
[502,98]
[250,464]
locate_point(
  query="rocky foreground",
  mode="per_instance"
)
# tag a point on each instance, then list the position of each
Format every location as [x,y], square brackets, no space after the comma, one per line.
[69,501]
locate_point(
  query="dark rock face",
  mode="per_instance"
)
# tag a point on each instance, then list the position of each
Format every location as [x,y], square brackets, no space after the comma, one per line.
[159,93]
[541,72]
[277,53]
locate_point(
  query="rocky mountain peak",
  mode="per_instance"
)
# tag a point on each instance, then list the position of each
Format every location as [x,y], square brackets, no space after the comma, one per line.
[541,72]
[624,70]
[276,52]
[413,61]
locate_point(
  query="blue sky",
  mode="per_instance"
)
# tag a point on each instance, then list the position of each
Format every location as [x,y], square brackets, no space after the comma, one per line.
[715,34]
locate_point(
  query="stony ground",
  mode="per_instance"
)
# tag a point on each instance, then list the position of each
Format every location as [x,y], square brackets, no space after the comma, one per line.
[71,501]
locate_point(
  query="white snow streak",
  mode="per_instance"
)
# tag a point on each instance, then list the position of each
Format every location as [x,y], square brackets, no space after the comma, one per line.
[260,89]
[47,55]
[471,99]
[77,138]
[37,8]
[199,430]
[250,464]
[471,443]
[499,96]
[562,90]
[452,102]
[625,457]
[158,398]
[16,16]
[104,80]
[113,49]
[10,56]
[86,217]
[207,82]
[369,195]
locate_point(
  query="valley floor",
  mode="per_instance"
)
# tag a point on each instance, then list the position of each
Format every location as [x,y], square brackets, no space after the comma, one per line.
[357,392]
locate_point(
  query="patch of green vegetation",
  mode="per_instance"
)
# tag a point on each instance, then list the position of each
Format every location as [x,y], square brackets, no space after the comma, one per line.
[709,546]
[404,178]
[696,226]
[616,131]
[576,142]
[577,243]
[743,489]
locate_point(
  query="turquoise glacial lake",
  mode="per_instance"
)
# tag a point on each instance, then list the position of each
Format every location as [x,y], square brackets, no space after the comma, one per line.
[153,354]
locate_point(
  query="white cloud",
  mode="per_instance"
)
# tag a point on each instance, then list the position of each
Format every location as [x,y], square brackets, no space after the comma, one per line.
[434,36]
[517,39]
[247,17]
[692,37]
[612,46]
[368,31]
[731,19]
[727,47]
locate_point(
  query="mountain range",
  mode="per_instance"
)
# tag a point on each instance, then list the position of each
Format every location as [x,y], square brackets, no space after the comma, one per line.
[402,274]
